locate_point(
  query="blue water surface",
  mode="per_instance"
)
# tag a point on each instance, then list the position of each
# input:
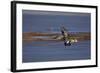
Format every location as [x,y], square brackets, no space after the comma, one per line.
[55,51]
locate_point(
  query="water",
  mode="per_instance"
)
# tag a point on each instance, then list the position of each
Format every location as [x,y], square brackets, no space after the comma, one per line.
[55,51]
[48,21]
